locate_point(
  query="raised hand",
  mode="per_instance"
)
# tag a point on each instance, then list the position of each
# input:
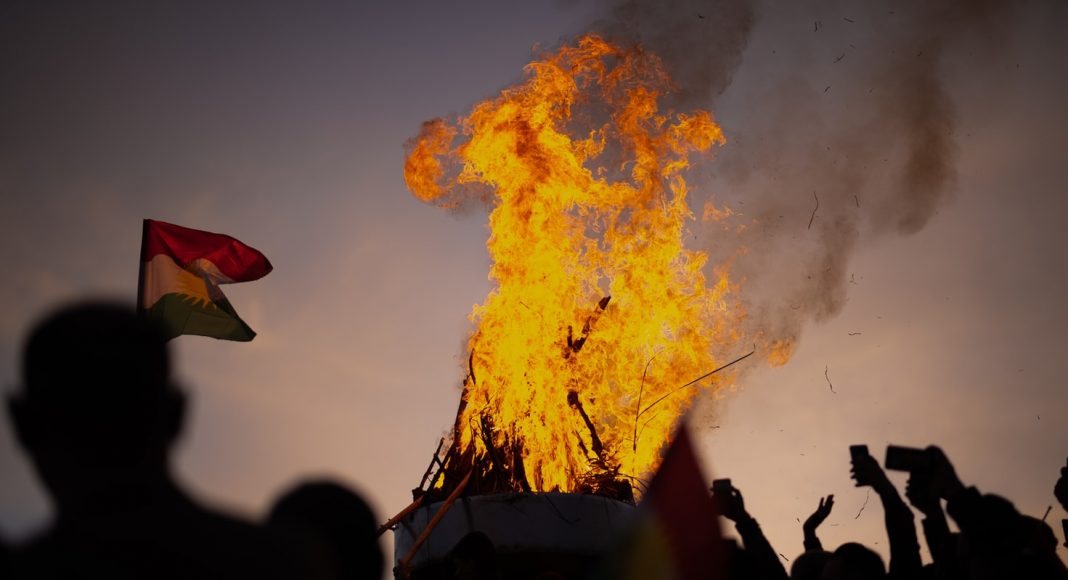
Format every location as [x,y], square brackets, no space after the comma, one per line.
[867,472]
[944,480]
[731,505]
[821,513]
[812,542]
[921,494]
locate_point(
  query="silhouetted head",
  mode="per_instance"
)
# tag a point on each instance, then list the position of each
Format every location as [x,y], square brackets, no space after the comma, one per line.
[338,521]
[96,407]
[853,561]
[809,565]
[1006,529]
[474,557]
[998,510]
[1009,545]
[1036,536]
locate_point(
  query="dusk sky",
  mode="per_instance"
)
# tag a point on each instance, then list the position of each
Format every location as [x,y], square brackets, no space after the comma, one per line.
[938,317]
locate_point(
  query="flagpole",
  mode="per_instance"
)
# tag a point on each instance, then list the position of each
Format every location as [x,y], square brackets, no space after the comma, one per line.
[141,267]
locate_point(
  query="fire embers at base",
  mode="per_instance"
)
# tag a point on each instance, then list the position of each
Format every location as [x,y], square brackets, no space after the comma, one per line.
[501,469]
[585,175]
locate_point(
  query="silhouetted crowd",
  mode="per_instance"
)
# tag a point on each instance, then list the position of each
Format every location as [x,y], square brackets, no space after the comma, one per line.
[994,541]
[98,414]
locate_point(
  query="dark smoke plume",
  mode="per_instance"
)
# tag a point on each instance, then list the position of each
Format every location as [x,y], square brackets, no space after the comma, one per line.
[840,127]
[700,42]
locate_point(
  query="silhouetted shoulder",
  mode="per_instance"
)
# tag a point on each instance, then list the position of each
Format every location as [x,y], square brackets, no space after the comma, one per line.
[167,542]
[335,523]
[98,415]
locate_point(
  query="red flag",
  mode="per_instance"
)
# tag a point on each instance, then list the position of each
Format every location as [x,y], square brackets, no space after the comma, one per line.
[181,270]
[683,508]
[675,534]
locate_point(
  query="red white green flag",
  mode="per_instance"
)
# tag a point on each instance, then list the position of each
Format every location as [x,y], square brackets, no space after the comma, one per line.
[181,270]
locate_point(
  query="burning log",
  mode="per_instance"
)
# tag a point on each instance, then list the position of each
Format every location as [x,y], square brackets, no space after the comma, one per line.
[504,470]
[418,492]
[496,466]
[500,468]
[471,367]
[518,469]
[605,480]
[695,381]
[595,441]
[574,345]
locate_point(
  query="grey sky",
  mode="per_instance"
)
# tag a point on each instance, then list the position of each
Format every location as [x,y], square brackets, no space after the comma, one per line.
[282,125]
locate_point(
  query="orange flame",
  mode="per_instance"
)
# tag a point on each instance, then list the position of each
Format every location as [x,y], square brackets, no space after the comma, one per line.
[556,364]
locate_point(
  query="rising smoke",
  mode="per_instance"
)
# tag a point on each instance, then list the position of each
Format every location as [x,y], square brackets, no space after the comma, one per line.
[840,124]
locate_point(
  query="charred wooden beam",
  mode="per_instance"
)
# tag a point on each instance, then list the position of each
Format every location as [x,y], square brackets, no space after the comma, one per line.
[400,516]
[595,440]
[497,466]
[459,415]
[433,460]
[518,468]
[458,462]
[582,445]
[576,344]
[437,476]
[471,367]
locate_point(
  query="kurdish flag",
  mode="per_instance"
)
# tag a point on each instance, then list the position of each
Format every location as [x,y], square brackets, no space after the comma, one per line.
[181,270]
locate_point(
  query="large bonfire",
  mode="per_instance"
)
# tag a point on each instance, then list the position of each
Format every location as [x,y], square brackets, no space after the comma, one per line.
[578,367]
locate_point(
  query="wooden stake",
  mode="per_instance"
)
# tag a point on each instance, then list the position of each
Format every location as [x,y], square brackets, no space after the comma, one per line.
[433,460]
[708,374]
[405,563]
[403,513]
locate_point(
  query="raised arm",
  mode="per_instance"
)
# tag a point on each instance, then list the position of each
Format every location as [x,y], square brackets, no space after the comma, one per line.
[900,527]
[812,541]
[920,494]
[763,557]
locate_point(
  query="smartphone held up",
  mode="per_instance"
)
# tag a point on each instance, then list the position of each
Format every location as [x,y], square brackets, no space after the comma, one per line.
[905,458]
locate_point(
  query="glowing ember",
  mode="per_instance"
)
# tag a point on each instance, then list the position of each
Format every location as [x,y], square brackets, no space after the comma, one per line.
[599,310]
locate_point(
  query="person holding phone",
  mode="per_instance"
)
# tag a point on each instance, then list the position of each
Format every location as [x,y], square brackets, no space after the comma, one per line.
[996,540]
[900,527]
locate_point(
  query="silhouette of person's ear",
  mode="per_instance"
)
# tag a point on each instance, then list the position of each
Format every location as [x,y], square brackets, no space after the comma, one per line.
[25,431]
[31,430]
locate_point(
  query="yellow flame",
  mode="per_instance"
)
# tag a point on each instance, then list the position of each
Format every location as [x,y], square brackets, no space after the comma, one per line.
[576,219]
[421,168]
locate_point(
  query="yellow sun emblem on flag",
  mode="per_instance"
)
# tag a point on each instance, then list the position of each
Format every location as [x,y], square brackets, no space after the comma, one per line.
[194,288]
